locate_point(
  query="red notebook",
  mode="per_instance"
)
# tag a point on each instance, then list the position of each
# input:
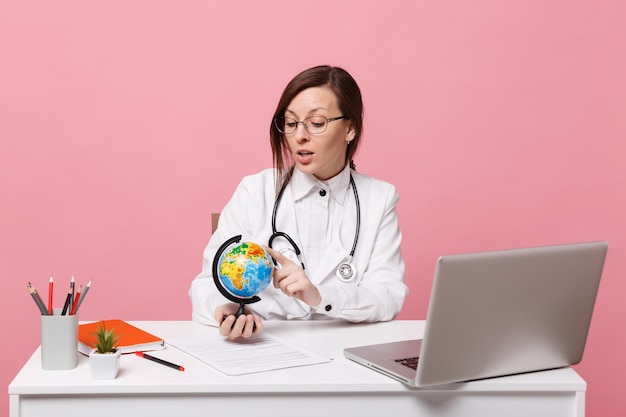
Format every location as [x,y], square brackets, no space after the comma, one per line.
[130,338]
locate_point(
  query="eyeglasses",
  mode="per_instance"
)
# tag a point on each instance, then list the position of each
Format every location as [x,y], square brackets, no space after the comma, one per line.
[314,124]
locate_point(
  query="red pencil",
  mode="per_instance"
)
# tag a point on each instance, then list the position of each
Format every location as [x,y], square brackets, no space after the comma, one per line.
[83,295]
[50,292]
[75,303]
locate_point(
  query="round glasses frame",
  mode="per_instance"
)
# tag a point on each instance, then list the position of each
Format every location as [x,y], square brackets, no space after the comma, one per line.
[288,125]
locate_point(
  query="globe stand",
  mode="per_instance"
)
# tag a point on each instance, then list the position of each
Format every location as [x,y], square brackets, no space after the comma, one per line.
[218,283]
[241,310]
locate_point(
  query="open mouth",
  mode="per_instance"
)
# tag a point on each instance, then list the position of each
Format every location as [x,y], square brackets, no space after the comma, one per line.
[304,157]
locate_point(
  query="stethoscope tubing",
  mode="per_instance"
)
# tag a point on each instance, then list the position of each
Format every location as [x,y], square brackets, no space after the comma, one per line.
[276,233]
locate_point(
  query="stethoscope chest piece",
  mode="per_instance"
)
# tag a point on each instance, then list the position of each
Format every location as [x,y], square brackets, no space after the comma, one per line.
[290,254]
[346,272]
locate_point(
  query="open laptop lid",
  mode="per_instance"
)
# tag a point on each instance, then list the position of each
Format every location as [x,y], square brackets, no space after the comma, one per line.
[507,312]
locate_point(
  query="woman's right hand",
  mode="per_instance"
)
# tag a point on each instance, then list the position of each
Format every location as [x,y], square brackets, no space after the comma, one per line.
[244,326]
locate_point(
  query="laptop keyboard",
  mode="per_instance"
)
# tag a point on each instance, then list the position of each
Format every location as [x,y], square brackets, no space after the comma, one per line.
[410,362]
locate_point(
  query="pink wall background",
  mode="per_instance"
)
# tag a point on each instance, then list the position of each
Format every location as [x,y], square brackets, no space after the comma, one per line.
[502,123]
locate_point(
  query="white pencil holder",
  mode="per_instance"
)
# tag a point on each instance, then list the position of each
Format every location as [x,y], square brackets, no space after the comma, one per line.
[59,341]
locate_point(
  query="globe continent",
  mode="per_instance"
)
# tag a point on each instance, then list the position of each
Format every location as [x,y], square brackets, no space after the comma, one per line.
[245,270]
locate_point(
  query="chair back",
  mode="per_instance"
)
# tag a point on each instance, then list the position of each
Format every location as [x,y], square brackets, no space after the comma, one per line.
[215,218]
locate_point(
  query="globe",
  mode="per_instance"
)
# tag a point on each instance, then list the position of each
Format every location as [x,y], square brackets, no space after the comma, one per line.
[245,270]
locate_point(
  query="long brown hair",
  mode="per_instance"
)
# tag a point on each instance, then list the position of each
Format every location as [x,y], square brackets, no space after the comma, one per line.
[349,101]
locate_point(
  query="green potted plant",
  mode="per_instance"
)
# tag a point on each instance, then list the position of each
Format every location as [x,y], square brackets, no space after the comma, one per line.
[104,359]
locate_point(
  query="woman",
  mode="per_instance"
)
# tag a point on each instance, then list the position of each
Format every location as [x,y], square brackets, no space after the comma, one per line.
[328,210]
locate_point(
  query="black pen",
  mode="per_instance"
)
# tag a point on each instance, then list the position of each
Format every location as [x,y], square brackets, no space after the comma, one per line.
[161,361]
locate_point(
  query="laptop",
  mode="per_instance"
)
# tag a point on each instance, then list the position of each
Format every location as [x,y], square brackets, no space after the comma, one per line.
[498,313]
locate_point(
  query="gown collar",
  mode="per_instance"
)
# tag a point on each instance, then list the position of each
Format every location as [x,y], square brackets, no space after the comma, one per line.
[304,184]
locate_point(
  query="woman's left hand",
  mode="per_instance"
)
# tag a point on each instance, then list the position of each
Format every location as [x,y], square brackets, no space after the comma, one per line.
[292,280]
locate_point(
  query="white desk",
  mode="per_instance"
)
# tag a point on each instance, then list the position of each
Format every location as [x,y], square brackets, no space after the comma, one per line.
[338,388]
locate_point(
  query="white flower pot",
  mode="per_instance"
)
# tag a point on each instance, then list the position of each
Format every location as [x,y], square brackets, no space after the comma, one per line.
[104,365]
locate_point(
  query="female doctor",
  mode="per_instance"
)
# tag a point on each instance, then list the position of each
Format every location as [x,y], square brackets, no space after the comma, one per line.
[333,231]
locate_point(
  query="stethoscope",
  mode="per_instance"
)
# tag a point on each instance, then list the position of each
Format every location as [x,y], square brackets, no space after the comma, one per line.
[346,271]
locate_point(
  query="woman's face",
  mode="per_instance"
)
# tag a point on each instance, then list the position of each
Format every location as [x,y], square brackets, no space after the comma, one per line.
[322,155]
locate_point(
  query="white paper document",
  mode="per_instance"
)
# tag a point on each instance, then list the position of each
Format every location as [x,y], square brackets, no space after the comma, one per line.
[258,353]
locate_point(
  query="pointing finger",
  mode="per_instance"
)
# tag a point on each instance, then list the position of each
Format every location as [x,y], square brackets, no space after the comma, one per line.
[278,257]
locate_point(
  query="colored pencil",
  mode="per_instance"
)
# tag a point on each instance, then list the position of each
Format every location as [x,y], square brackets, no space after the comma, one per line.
[82,296]
[50,293]
[75,303]
[68,300]
[72,285]
[38,301]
